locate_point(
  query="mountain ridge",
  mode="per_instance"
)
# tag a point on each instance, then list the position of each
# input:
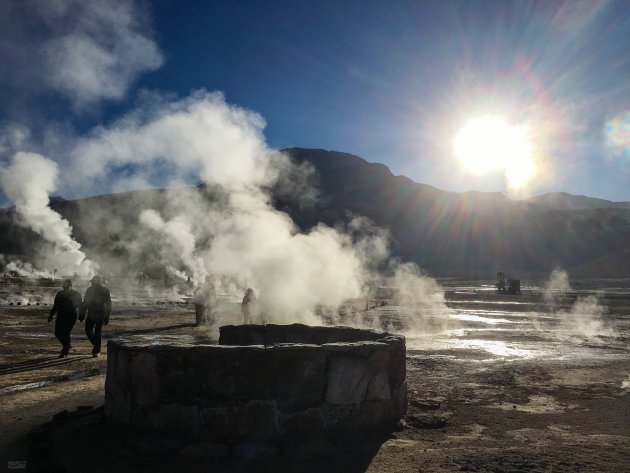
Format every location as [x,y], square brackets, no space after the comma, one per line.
[446,233]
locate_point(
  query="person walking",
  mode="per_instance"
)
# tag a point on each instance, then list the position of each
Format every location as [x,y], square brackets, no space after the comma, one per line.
[97,302]
[67,303]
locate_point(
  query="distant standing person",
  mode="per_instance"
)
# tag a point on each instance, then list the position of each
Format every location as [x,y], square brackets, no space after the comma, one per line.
[205,302]
[97,302]
[249,306]
[67,303]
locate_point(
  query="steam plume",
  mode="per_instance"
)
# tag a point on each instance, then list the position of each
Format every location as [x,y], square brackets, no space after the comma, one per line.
[177,239]
[240,235]
[27,181]
[556,287]
[585,317]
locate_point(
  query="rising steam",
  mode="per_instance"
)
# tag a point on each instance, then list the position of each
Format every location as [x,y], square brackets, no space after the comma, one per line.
[176,238]
[245,237]
[556,287]
[585,318]
[422,295]
[27,181]
[239,234]
[228,228]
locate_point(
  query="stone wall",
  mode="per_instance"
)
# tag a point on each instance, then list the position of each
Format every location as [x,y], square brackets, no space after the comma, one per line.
[262,383]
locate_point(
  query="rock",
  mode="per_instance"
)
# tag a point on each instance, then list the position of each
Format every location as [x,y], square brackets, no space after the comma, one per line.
[425,404]
[348,378]
[304,423]
[428,421]
[144,379]
[258,393]
[298,375]
[399,399]
[242,335]
[175,419]
[378,389]
[256,420]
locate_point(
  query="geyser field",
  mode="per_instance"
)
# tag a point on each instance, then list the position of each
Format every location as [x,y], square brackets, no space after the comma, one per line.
[281,305]
[530,382]
[533,382]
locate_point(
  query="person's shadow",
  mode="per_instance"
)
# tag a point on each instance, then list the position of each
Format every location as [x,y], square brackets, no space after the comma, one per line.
[37,363]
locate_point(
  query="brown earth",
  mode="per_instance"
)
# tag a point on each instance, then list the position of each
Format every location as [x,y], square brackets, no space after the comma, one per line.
[467,411]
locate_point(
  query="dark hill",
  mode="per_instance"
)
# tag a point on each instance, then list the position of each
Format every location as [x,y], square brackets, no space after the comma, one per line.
[471,232]
[564,201]
[447,233]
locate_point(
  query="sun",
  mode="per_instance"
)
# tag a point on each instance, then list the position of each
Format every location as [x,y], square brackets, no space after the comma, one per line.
[490,143]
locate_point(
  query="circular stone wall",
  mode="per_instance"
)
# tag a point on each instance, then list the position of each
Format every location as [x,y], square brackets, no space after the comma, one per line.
[262,382]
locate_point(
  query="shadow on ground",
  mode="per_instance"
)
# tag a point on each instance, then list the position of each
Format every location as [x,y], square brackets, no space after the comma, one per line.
[84,440]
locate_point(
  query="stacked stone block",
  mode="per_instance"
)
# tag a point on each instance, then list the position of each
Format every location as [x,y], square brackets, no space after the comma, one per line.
[261,383]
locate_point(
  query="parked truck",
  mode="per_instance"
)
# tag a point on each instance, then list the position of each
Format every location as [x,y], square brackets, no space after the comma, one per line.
[507,285]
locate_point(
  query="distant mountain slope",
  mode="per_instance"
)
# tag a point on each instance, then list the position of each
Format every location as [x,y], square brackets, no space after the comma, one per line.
[564,201]
[465,233]
[447,233]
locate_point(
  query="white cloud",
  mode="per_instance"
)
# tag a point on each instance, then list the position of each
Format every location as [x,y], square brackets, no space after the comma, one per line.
[87,50]
[573,15]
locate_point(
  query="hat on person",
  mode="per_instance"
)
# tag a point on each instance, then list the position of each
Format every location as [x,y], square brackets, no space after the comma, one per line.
[96,279]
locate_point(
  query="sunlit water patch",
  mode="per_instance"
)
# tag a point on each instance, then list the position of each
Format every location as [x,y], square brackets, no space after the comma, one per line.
[498,348]
[467,317]
[500,334]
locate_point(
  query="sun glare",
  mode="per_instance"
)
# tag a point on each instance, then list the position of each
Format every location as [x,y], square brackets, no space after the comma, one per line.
[489,144]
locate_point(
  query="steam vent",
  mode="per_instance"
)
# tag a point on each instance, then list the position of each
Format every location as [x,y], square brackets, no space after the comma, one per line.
[262,382]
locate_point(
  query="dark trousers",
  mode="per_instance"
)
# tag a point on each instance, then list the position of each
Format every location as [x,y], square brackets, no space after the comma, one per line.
[93,328]
[63,327]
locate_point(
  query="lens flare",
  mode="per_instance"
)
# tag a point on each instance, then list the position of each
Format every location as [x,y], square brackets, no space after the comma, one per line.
[618,134]
[490,143]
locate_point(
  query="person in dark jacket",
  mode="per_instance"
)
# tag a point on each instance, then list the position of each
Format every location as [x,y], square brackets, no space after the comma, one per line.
[97,302]
[205,303]
[249,307]
[67,303]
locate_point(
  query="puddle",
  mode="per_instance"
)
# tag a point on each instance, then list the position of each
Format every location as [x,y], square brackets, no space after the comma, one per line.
[24,387]
[57,379]
[485,320]
[498,348]
[29,335]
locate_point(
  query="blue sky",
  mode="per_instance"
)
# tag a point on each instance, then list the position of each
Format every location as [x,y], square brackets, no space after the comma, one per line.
[390,81]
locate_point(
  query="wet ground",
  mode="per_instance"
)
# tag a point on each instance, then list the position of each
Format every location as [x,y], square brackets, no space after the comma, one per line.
[497,383]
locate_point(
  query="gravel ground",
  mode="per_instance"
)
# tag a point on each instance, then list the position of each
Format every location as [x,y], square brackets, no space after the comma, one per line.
[496,384]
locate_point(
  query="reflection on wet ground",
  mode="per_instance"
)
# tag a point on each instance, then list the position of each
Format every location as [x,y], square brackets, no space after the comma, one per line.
[525,334]
[477,323]
[475,318]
